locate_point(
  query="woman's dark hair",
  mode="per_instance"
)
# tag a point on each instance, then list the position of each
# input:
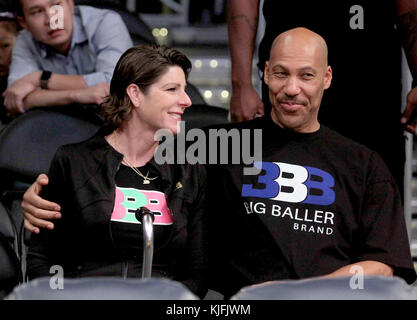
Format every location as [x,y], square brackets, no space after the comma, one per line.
[142,65]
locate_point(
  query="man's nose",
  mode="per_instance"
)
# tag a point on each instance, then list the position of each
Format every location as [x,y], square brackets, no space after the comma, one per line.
[292,87]
[47,17]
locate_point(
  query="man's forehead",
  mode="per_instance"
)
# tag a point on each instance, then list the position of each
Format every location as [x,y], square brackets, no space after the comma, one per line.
[299,44]
[286,66]
[297,56]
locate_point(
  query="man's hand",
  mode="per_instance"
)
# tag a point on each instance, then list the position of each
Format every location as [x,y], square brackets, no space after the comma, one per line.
[16,93]
[409,116]
[36,210]
[245,103]
[92,95]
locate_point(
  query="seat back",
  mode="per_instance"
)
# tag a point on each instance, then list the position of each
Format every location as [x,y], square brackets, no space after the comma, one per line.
[195,95]
[8,228]
[199,116]
[28,143]
[344,288]
[10,272]
[27,146]
[102,288]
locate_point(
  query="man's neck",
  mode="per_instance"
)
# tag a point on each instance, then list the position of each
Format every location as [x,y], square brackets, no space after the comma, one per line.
[64,49]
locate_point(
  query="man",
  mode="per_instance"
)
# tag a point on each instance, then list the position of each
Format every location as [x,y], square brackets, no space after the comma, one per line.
[65,55]
[365,46]
[321,203]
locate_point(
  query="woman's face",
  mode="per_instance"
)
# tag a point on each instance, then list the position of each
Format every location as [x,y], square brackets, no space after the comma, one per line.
[165,101]
[7,40]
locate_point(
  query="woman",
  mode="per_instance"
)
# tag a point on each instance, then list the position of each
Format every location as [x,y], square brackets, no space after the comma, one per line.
[99,183]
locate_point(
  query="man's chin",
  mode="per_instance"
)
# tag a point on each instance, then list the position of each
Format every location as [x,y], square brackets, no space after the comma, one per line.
[58,44]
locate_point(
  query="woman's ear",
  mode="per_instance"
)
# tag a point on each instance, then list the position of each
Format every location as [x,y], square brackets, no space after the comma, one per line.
[134,93]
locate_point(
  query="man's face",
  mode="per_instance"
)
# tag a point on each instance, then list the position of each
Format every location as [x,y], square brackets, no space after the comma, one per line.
[297,74]
[40,19]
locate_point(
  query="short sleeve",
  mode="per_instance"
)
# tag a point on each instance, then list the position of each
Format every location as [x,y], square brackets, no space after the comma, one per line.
[23,60]
[111,39]
[383,234]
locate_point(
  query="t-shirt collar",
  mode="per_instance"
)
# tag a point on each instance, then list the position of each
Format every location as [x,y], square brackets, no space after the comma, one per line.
[274,128]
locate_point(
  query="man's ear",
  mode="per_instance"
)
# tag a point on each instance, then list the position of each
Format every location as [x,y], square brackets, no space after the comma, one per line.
[266,73]
[135,94]
[328,77]
[21,22]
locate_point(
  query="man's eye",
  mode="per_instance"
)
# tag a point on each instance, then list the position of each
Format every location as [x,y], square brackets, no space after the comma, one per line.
[280,74]
[36,11]
[308,75]
[171,89]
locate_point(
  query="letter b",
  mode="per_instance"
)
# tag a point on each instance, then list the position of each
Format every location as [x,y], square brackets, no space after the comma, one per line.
[325,186]
[298,192]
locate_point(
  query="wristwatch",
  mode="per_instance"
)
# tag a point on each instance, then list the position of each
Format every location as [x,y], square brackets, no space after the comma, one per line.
[45,79]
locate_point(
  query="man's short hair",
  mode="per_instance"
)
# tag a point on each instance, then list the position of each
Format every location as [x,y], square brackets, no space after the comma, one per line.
[142,65]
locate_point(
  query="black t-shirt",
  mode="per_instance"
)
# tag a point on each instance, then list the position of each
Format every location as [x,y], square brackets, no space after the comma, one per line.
[321,202]
[131,194]
[363,102]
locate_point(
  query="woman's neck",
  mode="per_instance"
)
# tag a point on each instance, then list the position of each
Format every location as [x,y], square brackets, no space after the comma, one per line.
[135,143]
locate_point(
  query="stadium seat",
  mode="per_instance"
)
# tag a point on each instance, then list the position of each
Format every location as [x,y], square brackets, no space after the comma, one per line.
[201,115]
[10,272]
[27,146]
[101,288]
[344,288]
[194,94]
[8,228]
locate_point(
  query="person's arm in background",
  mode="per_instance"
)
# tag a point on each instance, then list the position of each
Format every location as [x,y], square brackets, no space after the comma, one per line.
[53,98]
[407,18]
[243,17]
